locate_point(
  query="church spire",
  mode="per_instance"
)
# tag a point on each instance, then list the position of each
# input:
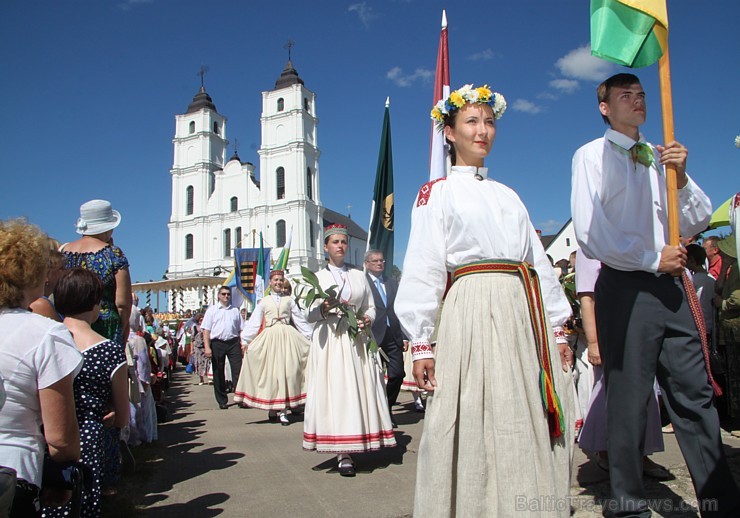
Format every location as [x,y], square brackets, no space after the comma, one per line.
[236,154]
[289,75]
[202,100]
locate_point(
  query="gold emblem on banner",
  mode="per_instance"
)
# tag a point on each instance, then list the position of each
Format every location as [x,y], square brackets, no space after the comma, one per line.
[388,212]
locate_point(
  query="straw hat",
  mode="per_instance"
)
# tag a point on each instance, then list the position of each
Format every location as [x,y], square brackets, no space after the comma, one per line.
[727,246]
[96,217]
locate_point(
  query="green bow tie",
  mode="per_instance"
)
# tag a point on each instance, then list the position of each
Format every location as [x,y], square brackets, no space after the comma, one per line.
[642,153]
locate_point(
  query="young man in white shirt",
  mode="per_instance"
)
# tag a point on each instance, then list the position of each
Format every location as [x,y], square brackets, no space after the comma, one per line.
[644,322]
[222,325]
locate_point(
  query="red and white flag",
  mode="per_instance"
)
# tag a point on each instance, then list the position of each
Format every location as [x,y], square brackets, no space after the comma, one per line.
[438,151]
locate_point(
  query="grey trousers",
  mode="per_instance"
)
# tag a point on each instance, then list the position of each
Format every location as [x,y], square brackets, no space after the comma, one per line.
[645,329]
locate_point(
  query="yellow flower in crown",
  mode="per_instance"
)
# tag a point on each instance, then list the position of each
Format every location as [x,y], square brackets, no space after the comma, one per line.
[437,115]
[457,100]
[484,93]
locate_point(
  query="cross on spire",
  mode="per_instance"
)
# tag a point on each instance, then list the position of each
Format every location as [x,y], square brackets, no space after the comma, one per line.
[289,45]
[202,73]
[349,208]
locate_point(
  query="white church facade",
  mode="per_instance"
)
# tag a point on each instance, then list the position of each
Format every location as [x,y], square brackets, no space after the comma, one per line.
[220,204]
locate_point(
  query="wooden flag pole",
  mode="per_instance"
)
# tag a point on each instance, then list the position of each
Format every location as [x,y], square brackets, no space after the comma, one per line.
[666,101]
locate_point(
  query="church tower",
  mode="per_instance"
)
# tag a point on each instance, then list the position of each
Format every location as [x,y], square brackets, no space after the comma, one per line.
[289,170]
[199,152]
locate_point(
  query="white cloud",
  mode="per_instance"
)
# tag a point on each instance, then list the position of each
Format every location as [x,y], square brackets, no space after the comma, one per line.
[549,226]
[127,5]
[567,86]
[483,55]
[522,105]
[397,75]
[547,95]
[364,11]
[580,64]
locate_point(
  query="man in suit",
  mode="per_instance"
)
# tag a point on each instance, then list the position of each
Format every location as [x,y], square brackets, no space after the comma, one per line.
[386,328]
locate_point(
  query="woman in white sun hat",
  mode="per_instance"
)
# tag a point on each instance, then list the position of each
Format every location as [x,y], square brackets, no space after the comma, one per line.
[95,251]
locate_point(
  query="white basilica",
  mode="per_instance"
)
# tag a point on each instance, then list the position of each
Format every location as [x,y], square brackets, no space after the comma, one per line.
[220,204]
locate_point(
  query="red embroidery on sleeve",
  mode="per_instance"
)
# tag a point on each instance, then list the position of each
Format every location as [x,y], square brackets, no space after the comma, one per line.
[425,192]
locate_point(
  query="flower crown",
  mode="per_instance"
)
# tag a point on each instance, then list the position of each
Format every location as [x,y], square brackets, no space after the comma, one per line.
[467,94]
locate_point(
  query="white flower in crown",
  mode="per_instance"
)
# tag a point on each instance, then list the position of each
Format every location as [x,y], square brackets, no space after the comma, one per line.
[468,93]
[737,141]
[499,105]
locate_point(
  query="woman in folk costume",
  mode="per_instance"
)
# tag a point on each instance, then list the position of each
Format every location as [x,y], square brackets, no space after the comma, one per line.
[498,431]
[272,373]
[346,407]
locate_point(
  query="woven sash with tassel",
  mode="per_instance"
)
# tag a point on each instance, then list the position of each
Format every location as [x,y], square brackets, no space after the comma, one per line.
[527,273]
[698,315]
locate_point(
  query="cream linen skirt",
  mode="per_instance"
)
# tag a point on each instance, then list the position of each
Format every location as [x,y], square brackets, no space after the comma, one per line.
[486,448]
[272,376]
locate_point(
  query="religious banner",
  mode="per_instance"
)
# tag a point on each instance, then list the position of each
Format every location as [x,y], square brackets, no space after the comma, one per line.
[380,235]
[248,276]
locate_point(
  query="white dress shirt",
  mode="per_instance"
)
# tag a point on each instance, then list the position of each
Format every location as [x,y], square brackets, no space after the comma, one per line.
[466,220]
[223,322]
[619,207]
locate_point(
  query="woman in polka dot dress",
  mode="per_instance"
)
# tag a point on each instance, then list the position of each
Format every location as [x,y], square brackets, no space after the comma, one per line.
[101,387]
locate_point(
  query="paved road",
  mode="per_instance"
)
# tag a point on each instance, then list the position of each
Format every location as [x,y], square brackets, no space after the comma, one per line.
[236,463]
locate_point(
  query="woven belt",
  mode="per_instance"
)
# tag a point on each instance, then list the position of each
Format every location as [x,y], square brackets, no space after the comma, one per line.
[698,315]
[527,273]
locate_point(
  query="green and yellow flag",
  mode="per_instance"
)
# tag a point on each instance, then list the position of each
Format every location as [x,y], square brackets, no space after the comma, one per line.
[633,33]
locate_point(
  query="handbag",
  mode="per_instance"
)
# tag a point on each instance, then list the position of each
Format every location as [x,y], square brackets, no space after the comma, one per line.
[66,476]
[189,368]
[134,388]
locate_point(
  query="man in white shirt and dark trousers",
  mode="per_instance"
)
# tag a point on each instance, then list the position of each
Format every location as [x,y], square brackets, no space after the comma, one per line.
[386,328]
[644,322]
[221,327]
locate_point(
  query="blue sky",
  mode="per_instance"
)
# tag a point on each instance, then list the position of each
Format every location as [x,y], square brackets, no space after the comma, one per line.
[90,90]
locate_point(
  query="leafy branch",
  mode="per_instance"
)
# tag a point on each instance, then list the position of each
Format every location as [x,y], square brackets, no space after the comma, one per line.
[312,292]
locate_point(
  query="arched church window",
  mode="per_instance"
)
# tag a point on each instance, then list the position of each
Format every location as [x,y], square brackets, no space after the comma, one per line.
[280,231]
[280,183]
[211,183]
[311,234]
[189,200]
[280,104]
[227,242]
[234,204]
[309,183]
[189,246]
[238,237]
[305,104]
[215,127]
[192,127]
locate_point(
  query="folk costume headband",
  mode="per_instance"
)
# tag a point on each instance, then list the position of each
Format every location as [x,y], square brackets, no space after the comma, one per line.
[445,108]
[336,228]
[273,273]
